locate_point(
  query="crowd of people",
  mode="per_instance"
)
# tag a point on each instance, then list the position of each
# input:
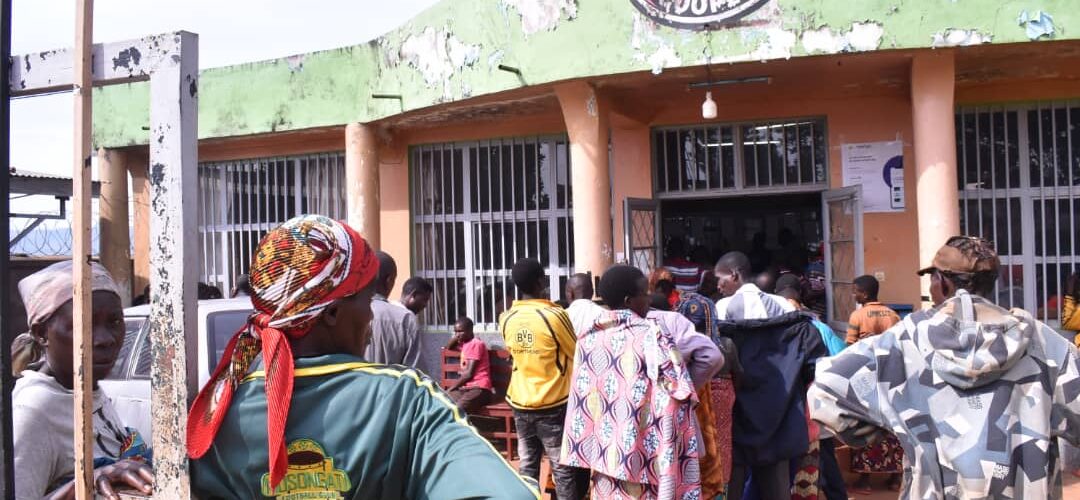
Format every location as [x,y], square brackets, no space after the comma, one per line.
[692,382]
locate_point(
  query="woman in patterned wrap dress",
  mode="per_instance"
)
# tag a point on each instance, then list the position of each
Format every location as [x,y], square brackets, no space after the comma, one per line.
[630,417]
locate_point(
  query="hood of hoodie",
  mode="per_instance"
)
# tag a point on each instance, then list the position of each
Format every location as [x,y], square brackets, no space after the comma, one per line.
[969,341]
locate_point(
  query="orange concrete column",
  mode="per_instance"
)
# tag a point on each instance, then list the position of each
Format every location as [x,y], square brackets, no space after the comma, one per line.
[362,180]
[114,243]
[933,82]
[138,166]
[586,115]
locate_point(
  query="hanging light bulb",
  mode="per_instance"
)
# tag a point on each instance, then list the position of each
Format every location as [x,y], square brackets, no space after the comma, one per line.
[708,108]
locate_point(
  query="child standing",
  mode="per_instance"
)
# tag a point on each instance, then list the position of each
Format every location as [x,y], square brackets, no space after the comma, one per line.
[870,319]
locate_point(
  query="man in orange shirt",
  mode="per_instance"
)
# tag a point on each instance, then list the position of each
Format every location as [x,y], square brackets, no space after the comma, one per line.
[873,317]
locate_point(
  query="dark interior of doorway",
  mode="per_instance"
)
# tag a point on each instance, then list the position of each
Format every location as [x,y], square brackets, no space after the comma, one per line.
[774,230]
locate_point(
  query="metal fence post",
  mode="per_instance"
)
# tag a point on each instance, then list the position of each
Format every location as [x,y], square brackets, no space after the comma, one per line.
[7,382]
[174,255]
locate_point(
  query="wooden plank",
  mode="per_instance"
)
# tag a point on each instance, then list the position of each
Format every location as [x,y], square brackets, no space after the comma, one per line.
[116,62]
[80,252]
[174,260]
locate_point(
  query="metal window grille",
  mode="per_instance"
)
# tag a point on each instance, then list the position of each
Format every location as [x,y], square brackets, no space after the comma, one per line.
[1019,177]
[729,159]
[240,201]
[477,208]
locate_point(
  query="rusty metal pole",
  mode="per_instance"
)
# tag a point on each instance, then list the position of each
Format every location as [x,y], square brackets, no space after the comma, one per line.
[80,254]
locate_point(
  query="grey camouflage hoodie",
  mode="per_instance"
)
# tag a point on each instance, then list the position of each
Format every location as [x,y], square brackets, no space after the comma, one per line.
[977,395]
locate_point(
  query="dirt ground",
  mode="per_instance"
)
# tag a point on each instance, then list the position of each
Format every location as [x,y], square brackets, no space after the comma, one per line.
[1072,483]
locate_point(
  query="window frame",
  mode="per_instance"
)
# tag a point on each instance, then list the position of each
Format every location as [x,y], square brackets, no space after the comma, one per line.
[1026,192]
[241,200]
[741,187]
[478,226]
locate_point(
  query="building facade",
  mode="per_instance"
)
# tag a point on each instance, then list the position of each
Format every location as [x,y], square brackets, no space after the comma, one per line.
[576,132]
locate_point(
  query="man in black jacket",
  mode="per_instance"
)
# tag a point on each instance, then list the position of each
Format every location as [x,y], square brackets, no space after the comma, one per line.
[769,420]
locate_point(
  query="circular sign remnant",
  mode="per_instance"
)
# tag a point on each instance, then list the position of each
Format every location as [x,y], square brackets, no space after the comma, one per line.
[697,14]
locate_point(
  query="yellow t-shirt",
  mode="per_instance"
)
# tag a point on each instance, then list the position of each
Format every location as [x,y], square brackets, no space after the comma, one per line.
[540,339]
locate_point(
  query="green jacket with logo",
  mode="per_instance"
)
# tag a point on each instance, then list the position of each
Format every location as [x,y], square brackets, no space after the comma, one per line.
[355,430]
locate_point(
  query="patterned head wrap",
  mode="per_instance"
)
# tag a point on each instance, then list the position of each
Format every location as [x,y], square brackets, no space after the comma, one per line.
[701,312]
[46,290]
[299,270]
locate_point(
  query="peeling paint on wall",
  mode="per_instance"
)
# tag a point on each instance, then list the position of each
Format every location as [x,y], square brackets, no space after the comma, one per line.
[542,15]
[467,40]
[438,55]
[495,59]
[861,37]
[1037,24]
[777,44]
[959,38]
[865,36]
[590,104]
[651,48]
[823,41]
[296,63]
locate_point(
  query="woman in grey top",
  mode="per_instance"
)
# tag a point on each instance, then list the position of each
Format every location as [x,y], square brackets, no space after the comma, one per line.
[43,401]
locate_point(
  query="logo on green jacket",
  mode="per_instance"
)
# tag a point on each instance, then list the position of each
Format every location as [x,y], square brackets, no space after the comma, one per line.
[311,475]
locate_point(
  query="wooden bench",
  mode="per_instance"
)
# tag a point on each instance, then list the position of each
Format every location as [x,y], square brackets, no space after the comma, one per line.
[504,437]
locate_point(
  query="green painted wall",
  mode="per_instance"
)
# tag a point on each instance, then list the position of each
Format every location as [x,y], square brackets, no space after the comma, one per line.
[451,52]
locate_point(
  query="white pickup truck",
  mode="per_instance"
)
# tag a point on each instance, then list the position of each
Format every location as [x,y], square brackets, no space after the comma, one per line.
[128,384]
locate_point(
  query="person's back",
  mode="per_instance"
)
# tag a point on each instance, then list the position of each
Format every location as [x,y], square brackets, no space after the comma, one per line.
[776,354]
[359,430]
[873,318]
[976,394]
[582,311]
[395,335]
[293,411]
[630,384]
[541,340]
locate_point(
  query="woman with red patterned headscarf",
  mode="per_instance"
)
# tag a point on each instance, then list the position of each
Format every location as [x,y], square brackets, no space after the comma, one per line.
[293,411]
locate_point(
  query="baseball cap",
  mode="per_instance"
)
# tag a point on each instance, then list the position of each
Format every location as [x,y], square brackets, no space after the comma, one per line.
[950,259]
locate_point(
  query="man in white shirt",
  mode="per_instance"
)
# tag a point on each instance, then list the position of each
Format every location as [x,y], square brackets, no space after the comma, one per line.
[582,310]
[742,299]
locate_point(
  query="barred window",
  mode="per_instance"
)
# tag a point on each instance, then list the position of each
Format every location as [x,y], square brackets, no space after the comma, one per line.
[477,208]
[240,201]
[736,158]
[1018,169]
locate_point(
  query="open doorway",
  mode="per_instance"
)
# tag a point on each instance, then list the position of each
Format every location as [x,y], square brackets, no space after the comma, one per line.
[817,235]
[780,234]
[774,231]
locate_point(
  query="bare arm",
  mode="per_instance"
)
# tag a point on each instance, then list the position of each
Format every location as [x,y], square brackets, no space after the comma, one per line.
[465,376]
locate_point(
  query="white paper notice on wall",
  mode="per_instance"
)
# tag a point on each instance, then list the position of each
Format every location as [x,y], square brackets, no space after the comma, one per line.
[879,168]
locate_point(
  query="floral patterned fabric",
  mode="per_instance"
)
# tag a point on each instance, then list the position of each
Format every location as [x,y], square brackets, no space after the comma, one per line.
[886,455]
[723,402]
[630,415]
